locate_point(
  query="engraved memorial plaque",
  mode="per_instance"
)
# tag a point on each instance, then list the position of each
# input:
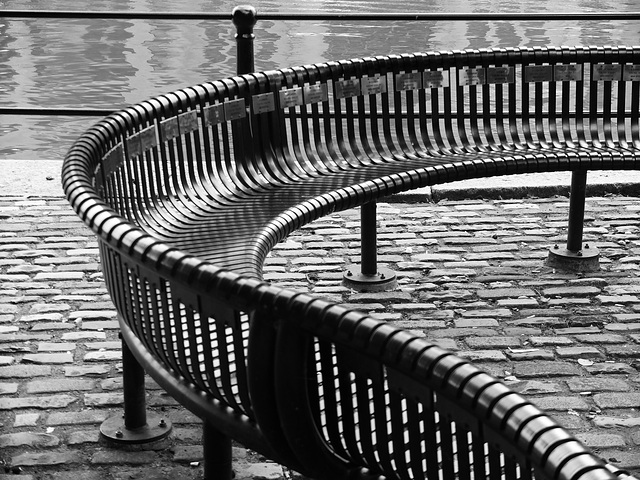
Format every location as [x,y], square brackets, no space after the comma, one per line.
[471,76]
[435,79]
[134,147]
[347,88]
[291,97]
[604,72]
[373,85]
[316,93]
[234,109]
[567,73]
[631,73]
[538,73]
[263,103]
[188,122]
[169,129]
[213,114]
[112,159]
[496,75]
[148,138]
[408,81]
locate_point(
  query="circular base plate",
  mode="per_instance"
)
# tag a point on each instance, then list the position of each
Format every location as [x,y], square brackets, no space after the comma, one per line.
[157,428]
[586,260]
[384,279]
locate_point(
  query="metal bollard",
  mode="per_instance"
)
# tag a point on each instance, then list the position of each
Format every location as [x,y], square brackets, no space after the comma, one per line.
[244,18]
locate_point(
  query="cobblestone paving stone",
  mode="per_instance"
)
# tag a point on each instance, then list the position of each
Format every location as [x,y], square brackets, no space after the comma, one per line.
[471,279]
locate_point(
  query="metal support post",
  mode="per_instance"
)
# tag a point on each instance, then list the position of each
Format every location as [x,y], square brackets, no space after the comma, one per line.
[368,277]
[576,257]
[244,18]
[576,210]
[217,453]
[136,425]
[369,240]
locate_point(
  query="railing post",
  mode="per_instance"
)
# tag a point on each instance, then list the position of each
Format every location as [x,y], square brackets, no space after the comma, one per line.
[576,257]
[244,18]
[368,277]
[135,426]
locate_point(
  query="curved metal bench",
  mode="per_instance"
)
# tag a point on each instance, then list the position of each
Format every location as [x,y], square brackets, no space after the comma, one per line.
[188,193]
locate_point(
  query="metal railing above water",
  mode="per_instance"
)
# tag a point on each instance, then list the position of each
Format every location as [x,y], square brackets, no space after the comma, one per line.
[324,16]
[280,16]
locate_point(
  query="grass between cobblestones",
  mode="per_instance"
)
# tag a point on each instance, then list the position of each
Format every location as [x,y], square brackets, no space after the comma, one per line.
[471,279]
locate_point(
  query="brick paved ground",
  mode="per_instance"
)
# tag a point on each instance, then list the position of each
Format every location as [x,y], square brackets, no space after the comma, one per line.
[471,279]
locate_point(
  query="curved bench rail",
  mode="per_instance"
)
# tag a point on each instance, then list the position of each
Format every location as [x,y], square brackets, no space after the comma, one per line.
[380,402]
[188,193]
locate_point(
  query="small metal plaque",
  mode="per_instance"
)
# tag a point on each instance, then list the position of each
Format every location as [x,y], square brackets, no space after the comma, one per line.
[148,138]
[134,147]
[188,122]
[234,109]
[631,73]
[471,76]
[604,72]
[408,81]
[263,103]
[112,159]
[291,97]
[435,79]
[567,73]
[213,114]
[538,73]
[495,75]
[373,85]
[316,93]
[169,129]
[347,88]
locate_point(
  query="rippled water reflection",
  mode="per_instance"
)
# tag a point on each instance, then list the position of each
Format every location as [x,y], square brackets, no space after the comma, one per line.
[108,63]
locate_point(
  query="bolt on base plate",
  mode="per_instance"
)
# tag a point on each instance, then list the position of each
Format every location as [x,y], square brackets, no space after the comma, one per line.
[585,260]
[383,280]
[157,428]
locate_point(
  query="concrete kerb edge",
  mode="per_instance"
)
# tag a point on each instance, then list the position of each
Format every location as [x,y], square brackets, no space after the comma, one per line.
[439,193]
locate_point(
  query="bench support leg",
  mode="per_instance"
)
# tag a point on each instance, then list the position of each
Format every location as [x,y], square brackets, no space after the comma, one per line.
[368,277]
[576,257]
[135,426]
[217,453]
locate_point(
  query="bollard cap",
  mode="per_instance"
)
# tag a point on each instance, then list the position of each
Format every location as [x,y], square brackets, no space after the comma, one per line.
[244,18]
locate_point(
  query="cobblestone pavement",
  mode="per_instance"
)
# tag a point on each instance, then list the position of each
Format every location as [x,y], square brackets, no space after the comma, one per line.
[471,278]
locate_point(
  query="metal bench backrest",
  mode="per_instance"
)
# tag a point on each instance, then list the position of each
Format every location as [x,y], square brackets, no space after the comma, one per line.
[314,128]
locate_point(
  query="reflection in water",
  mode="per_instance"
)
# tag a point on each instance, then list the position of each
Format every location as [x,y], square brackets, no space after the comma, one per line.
[100,63]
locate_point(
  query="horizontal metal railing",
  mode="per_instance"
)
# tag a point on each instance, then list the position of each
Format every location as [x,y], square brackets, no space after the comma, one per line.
[274,16]
[328,16]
